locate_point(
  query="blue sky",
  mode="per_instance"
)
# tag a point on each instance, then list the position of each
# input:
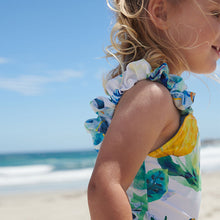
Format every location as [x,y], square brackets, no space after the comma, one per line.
[50,68]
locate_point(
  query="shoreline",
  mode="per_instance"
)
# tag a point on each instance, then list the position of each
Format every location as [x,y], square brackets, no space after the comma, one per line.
[72,204]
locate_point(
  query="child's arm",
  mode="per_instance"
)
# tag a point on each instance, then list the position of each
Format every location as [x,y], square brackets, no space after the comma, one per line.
[145,118]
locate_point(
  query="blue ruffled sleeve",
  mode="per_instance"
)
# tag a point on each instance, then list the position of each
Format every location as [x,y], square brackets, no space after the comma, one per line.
[104,106]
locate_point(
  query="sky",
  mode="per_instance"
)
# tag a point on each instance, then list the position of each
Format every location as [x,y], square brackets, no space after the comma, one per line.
[51,67]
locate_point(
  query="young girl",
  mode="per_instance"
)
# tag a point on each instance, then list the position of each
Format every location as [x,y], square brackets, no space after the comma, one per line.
[148,163]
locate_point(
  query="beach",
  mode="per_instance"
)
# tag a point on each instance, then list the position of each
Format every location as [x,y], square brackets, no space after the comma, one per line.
[59,205]
[210,207]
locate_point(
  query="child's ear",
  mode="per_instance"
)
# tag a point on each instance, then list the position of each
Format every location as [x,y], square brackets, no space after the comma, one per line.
[158,13]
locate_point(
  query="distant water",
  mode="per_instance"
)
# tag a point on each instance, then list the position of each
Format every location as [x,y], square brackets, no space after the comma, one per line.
[210,158]
[45,171]
[30,172]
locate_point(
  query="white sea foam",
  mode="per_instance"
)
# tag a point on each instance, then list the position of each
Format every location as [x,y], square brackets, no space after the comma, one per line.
[210,159]
[25,170]
[27,177]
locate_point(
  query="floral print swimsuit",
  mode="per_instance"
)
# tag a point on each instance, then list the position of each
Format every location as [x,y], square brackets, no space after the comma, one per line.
[167,185]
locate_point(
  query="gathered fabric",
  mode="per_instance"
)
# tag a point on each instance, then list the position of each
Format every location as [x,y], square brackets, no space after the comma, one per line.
[104,106]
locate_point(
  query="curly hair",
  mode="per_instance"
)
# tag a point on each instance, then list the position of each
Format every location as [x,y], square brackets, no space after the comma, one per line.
[134,37]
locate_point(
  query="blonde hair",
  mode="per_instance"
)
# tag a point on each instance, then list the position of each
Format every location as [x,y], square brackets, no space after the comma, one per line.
[134,37]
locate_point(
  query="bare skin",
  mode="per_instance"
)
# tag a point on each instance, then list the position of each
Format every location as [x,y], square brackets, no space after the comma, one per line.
[145,119]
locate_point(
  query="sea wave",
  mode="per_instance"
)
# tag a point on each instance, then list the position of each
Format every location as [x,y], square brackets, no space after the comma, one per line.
[25,170]
[24,176]
[210,159]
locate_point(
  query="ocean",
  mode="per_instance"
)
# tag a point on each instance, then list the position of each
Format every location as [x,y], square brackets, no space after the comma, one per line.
[34,172]
[48,171]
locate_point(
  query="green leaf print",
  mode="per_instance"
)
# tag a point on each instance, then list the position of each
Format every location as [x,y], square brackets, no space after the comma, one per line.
[157,184]
[139,199]
[140,205]
[139,180]
[187,174]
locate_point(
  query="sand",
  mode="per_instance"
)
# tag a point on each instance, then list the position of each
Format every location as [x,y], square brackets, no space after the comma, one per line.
[67,205]
[45,206]
[210,207]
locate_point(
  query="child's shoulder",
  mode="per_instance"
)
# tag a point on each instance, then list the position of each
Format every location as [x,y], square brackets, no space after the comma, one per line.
[148,103]
[147,96]
[147,111]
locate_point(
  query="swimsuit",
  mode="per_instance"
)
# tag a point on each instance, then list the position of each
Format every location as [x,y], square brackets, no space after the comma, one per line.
[167,185]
